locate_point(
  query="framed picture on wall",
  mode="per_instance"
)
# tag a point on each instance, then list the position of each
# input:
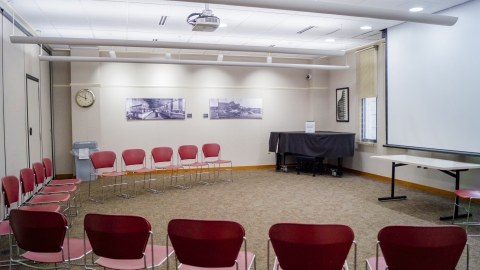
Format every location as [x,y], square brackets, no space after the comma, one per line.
[155,108]
[342,104]
[236,108]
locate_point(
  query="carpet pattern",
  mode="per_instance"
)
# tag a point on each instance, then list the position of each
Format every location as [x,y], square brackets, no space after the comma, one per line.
[257,199]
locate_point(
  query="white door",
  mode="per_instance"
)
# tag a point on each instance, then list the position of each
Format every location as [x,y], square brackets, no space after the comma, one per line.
[33,121]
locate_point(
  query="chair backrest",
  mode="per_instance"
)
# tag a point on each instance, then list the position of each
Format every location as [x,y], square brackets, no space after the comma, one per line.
[206,243]
[187,152]
[10,188]
[117,236]
[162,154]
[27,180]
[38,231]
[133,157]
[422,247]
[211,150]
[47,164]
[38,169]
[311,246]
[103,159]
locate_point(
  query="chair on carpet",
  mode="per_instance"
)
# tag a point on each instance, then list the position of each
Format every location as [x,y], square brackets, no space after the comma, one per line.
[188,157]
[162,160]
[29,197]
[419,247]
[45,238]
[47,164]
[38,169]
[121,241]
[311,246]
[209,244]
[212,155]
[107,160]
[133,159]
[469,195]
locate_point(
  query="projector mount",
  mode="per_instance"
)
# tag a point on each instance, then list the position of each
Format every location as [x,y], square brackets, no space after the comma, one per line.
[204,21]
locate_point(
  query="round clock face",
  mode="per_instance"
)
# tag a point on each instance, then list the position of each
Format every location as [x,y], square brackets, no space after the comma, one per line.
[85,98]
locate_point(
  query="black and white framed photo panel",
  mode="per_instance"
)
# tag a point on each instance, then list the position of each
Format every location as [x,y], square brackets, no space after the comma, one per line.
[342,104]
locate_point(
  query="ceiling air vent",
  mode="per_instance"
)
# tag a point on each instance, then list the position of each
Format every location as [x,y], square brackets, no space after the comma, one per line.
[305,30]
[333,32]
[163,20]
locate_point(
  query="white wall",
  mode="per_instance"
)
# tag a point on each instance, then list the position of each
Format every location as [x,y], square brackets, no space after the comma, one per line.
[361,160]
[284,92]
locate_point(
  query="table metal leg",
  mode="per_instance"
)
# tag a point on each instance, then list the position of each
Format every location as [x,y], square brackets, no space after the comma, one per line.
[392,192]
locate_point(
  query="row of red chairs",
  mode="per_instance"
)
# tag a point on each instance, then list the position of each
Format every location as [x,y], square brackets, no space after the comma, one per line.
[134,161]
[121,242]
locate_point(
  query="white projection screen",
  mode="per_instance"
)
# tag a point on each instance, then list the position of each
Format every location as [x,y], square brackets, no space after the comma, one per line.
[433,84]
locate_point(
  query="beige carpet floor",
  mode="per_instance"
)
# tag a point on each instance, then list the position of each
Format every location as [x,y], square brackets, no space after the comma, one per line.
[257,199]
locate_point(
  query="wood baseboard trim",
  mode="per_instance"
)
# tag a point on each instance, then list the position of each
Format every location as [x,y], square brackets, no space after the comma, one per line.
[404,183]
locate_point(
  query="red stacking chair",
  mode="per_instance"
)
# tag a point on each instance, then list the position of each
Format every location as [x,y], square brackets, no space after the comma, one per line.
[28,188]
[135,158]
[311,246]
[188,157]
[469,195]
[212,155]
[47,163]
[209,244]
[42,235]
[419,247]
[121,241]
[162,160]
[38,169]
[107,160]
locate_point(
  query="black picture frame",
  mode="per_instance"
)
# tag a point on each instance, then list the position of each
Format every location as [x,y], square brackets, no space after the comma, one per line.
[342,104]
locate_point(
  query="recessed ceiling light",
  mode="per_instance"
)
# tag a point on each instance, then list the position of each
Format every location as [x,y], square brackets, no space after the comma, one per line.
[330,40]
[223,25]
[366,27]
[416,9]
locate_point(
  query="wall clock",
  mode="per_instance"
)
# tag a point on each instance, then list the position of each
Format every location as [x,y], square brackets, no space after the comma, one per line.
[85,98]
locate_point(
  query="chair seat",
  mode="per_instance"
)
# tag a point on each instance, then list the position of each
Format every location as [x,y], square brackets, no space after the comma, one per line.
[54,189]
[345,265]
[240,260]
[4,230]
[159,258]
[196,164]
[467,194]
[111,174]
[40,198]
[142,170]
[220,161]
[65,182]
[46,207]
[76,252]
[169,167]
[372,262]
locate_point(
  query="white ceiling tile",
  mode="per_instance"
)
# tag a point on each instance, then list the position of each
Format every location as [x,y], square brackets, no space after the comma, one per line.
[71,24]
[109,34]
[62,10]
[263,42]
[50,33]
[105,11]
[234,40]
[75,33]
[204,39]
[108,26]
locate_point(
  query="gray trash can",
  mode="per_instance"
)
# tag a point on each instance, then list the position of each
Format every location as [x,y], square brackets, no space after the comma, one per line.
[83,165]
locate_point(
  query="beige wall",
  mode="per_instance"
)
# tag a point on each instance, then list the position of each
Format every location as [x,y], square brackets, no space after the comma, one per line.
[284,93]
[361,161]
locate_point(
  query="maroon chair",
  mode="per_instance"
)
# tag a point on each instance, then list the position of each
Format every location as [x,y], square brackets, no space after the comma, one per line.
[27,182]
[134,158]
[419,247]
[38,169]
[47,164]
[311,246]
[209,244]
[188,157]
[121,241]
[42,235]
[469,195]
[162,160]
[212,155]
[107,160]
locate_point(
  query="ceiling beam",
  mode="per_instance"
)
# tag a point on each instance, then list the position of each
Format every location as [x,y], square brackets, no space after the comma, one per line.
[164,44]
[188,62]
[339,9]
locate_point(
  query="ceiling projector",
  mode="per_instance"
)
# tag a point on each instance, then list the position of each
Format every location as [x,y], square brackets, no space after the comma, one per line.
[204,22]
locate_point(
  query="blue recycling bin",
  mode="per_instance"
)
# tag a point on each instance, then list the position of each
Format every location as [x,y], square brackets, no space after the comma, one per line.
[83,165]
